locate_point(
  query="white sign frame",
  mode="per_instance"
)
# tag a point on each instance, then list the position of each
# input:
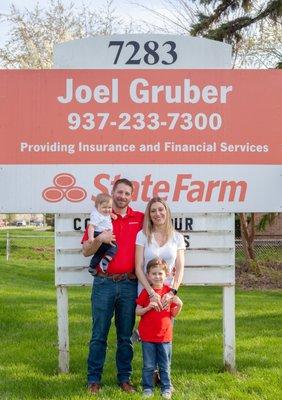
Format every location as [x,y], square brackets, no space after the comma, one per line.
[205,265]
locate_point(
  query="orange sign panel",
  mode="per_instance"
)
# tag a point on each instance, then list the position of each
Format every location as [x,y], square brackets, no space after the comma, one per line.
[140,117]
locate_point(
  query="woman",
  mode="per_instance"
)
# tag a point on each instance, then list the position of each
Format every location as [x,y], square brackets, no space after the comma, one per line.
[159,239]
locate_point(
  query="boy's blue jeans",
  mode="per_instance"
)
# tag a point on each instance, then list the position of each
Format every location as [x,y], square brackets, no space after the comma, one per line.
[108,298]
[156,354]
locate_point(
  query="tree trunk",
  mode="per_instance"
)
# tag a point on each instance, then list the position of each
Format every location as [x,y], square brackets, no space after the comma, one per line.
[247,235]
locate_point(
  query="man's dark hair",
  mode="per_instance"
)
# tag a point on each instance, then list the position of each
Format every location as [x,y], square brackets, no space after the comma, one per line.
[124,181]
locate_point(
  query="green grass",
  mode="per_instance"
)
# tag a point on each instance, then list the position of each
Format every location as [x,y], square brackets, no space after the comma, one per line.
[263,254]
[28,337]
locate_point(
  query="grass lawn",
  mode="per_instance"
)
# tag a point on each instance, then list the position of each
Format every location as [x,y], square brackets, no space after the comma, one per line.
[28,337]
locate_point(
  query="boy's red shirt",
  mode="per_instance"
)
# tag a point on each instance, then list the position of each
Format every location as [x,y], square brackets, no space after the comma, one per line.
[155,326]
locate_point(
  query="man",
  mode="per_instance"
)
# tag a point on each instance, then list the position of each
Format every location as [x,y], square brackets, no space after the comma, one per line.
[115,291]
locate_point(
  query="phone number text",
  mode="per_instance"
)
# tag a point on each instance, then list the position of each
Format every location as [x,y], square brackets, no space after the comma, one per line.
[139,121]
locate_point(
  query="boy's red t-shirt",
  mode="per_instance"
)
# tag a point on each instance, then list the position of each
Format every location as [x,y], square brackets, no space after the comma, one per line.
[155,326]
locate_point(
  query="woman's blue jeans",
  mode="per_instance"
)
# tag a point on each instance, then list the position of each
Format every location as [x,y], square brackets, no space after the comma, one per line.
[156,355]
[112,298]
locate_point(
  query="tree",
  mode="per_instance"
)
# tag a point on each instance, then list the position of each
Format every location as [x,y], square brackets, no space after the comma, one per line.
[220,23]
[34,33]
[252,27]
[261,49]
[231,21]
[248,229]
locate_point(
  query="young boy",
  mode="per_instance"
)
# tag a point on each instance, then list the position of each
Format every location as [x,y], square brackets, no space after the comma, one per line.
[155,329]
[100,220]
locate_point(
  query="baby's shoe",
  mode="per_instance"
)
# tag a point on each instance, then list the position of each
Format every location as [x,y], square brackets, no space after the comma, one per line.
[104,263]
[92,271]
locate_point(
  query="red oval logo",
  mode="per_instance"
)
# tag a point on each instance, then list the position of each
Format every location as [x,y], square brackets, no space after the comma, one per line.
[76,194]
[64,180]
[52,194]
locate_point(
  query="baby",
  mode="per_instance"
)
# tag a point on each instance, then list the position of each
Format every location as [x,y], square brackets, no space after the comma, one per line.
[101,220]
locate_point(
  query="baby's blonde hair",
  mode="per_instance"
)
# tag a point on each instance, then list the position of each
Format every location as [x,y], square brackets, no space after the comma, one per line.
[102,198]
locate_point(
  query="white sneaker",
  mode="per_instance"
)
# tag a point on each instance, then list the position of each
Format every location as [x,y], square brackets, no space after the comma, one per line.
[147,393]
[166,394]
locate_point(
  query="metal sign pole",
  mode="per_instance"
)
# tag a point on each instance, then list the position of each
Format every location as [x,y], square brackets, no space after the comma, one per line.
[8,247]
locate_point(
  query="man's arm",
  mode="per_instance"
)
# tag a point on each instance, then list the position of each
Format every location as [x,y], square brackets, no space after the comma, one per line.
[90,248]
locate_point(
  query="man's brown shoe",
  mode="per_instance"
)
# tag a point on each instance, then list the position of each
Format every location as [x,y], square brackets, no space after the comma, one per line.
[94,388]
[127,387]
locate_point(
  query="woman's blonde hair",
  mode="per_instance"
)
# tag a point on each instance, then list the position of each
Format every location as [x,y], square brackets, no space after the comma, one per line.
[148,225]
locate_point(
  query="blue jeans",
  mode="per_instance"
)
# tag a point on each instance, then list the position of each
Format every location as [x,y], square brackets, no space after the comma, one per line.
[109,298]
[156,355]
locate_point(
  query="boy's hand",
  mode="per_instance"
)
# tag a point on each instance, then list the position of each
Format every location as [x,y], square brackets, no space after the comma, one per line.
[154,305]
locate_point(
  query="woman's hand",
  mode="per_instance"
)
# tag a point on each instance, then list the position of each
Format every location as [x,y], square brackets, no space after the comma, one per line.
[167,299]
[156,299]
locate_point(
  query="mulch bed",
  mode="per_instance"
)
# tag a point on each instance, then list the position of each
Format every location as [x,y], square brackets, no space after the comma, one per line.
[265,276]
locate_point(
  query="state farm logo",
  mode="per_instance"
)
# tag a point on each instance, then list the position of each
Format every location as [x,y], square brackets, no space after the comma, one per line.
[64,188]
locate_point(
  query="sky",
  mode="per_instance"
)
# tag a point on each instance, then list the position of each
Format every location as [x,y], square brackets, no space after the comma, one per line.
[124,8]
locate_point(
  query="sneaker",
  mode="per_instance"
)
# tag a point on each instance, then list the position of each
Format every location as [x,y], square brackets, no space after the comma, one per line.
[166,394]
[147,393]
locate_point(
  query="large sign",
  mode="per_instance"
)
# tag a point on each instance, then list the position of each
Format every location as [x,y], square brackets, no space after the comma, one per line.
[206,140]
[66,135]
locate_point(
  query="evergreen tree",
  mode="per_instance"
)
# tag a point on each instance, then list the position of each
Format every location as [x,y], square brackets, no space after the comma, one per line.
[222,23]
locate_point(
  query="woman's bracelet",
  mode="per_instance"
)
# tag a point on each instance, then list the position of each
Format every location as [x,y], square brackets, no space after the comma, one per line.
[151,294]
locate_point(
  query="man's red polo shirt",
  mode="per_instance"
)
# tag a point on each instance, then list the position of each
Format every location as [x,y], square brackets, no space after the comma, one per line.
[125,229]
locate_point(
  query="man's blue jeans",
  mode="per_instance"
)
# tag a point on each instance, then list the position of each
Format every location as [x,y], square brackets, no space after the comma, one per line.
[156,354]
[112,298]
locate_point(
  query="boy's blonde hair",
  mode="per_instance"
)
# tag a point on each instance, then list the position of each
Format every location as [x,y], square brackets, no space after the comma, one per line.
[102,198]
[157,262]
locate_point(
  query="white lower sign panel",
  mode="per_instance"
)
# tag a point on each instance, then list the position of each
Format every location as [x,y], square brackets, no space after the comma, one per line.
[187,188]
[209,254]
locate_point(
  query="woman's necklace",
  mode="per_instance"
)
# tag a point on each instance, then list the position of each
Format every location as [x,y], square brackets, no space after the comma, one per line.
[160,238]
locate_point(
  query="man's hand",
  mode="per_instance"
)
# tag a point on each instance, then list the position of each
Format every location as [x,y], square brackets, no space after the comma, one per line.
[106,237]
[89,248]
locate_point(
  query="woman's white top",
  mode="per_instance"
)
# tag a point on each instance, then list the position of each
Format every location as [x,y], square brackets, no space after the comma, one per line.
[168,251]
[101,222]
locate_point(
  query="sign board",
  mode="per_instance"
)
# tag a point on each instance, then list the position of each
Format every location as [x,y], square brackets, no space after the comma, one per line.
[209,255]
[206,140]
[188,136]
